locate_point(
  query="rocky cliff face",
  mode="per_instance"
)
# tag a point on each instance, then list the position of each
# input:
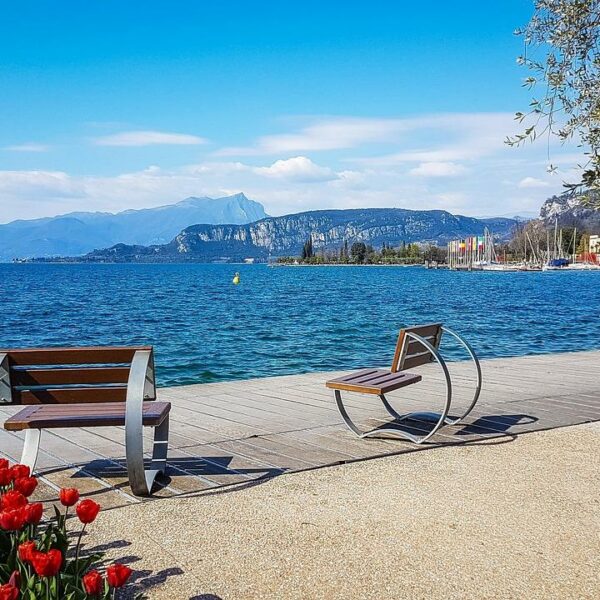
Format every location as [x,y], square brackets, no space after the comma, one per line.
[329,229]
[570,212]
[280,236]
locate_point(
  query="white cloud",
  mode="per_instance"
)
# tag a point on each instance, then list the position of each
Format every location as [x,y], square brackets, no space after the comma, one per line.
[324,134]
[437,169]
[532,182]
[449,136]
[299,168]
[28,147]
[148,138]
[39,185]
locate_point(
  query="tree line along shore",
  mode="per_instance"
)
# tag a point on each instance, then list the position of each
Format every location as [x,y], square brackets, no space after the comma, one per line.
[516,249]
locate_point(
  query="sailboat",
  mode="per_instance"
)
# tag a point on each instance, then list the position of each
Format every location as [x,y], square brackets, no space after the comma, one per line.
[558,261]
[486,259]
[490,262]
[587,264]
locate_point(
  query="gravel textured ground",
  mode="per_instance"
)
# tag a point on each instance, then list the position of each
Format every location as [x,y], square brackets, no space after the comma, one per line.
[517,518]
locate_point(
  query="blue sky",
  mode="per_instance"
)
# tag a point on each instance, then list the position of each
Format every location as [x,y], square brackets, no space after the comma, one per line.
[114,105]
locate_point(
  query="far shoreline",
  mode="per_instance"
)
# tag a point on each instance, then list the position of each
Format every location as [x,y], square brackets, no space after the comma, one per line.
[344,265]
[236,264]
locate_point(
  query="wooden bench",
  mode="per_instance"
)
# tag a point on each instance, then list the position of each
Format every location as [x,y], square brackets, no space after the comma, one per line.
[416,346]
[88,387]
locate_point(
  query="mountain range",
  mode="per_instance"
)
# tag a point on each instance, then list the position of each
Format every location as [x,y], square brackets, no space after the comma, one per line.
[80,232]
[285,235]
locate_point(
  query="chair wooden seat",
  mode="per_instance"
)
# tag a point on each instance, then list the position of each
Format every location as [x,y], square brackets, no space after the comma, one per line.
[100,414]
[373,381]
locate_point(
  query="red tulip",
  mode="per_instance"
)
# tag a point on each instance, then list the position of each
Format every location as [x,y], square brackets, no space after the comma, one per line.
[117,575]
[20,471]
[26,551]
[33,513]
[13,520]
[15,579]
[3,463]
[25,485]
[9,592]
[5,477]
[87,510]
[93,583]
[13,500]
[69,496]
[47,564]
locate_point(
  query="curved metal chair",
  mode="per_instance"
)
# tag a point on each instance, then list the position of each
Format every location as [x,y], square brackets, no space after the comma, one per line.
[416,346]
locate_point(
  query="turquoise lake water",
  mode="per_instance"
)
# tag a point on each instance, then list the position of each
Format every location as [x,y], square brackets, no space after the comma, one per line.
[290,320]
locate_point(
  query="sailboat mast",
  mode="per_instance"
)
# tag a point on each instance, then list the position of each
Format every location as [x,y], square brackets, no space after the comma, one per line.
[560,244]
[533,254]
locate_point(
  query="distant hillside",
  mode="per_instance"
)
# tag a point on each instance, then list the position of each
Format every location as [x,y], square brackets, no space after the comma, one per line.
[77,233]
[280,236]
[570,212]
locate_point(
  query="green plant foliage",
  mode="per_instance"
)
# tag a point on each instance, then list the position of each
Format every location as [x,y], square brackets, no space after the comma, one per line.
[562,51]
[364,254]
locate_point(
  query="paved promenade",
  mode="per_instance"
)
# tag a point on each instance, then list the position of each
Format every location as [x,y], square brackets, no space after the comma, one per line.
[241,432]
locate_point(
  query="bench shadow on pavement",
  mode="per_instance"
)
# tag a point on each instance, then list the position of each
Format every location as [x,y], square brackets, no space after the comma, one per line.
[497,424]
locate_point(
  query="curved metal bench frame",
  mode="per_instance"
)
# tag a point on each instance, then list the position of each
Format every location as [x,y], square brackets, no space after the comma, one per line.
[140,385]
[477,365]
[439,419]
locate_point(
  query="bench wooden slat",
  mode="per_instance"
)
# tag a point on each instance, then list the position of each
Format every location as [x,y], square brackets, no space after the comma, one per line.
[368,379]
[69,376]
[82,415]
[73,395]
[73,356]
[415,346]
[384,381]
[417,360]
[65,409]
[425,331]
[360,374]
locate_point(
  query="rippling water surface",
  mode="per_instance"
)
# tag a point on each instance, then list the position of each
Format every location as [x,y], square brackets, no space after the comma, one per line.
[290,320]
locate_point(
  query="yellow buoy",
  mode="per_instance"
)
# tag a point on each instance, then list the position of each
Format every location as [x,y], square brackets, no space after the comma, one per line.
[236,279]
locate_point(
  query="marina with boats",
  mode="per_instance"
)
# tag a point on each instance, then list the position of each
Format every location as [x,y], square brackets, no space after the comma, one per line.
[561,253]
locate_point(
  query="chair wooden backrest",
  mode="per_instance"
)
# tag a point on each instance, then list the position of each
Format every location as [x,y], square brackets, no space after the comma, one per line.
[411,353]
[69,375]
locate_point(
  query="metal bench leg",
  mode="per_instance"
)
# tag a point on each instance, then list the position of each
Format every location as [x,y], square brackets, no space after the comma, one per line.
[386,429]
[31,447]
[349,422]
[140,479]
[390,408]
[159,452]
